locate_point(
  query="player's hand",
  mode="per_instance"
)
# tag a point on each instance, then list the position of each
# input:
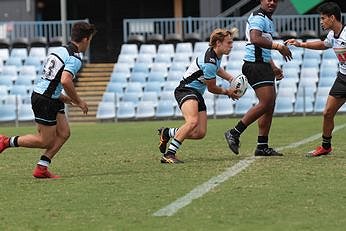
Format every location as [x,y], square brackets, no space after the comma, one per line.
[285,52]
[232,93]
[292,42]
[278,73]
[83,105]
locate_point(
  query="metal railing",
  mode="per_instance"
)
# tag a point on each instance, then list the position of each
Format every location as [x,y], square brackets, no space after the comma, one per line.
[32,29]
[205,25]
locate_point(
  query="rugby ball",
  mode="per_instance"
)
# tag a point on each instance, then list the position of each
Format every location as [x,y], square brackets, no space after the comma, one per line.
[240,83]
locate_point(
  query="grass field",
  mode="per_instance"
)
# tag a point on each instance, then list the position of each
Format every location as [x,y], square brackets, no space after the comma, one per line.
[112,180]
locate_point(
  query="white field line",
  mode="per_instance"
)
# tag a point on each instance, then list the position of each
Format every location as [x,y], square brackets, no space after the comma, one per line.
[202,189]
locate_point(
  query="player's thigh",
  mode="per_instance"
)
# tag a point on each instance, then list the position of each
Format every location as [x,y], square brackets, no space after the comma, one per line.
[266,94]
[333,104]
[189,110]
[47,133]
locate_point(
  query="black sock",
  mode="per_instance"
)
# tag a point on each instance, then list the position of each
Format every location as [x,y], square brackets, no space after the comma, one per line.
[262,142]
[14,141]
[238,129]
[44,161]
[326,142]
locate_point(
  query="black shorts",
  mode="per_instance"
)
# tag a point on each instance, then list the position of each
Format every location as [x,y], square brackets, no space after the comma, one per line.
[338,89]
[46,109]
[184,93]
[258,74]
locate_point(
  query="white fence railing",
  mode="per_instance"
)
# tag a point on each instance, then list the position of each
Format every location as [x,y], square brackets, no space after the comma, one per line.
[32,29]
[204,26]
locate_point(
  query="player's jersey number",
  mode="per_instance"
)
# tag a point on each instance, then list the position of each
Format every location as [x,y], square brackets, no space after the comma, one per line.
[52,67]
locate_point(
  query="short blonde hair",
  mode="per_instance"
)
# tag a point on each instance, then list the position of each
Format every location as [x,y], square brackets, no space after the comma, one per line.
[219,35]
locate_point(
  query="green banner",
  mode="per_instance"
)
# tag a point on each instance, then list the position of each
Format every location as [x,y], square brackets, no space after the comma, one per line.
[303,6]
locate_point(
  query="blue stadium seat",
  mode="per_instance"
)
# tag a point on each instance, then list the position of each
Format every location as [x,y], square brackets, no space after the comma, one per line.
[119,77]
[20,53]
[22,90]
[145,110]
[170,85]
[4,90]
[223,106]
[150,96]
[243,105]
[141,67]
[166,49]
[303,107]
[148,59]
[105,111]
[210,106]
[123,68]
[164,109]
[328,72]
[127,59]
[284,105]
[326,82]
[287,92]
[309,73]
[179,66]
[201,47]
[34,61]
[8,113]
[288,83]
[25,113]
[328,54]
[163,58]
[320,103]
[126,110]
[311,62]
[16,61]
[140,77]
[129,49]
[132,97]
[185,48]
[39,52]
[306,91]
[109,97]
[175,75]
[323,91]
[117,88]
[7,80]
[157,76]
[155,86]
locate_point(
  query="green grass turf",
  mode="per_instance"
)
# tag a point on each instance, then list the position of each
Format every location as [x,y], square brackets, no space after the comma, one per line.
[112,180]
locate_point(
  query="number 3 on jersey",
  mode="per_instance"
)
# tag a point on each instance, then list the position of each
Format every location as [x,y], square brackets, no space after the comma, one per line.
[52,67]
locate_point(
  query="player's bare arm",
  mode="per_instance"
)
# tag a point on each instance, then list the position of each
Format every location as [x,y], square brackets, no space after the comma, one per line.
[257,39]
[66,81]
[315,45]
[277,71]
[224,74]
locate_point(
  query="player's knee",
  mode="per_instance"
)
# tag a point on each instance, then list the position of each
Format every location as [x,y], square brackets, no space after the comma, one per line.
[193,124]
[65,135]
[266,106]
[201,134]
[328,114]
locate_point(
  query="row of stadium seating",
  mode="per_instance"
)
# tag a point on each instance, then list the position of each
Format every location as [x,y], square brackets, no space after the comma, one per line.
[153,106]
[152,72]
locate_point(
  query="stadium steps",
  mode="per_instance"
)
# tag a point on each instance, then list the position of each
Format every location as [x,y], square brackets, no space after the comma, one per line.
[92,82]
